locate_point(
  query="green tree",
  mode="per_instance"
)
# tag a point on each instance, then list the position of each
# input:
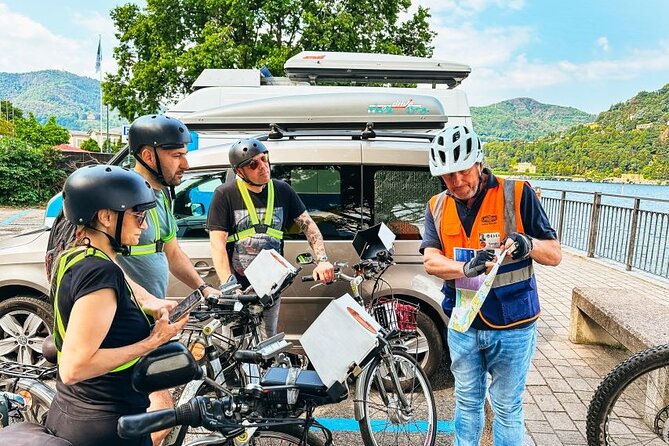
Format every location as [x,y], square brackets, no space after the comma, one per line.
[54,134]
[28,175]
[166,45]
[31,131]
[91,145]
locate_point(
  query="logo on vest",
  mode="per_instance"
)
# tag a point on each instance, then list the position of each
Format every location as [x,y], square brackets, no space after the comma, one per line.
[488,219]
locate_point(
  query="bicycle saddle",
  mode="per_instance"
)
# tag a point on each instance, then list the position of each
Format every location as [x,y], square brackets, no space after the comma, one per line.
[49,350]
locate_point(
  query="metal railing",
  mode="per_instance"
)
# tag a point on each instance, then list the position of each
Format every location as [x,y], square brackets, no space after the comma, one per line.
[636,235]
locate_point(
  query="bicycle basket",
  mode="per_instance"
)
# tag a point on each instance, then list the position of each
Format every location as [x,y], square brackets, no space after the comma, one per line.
[395,314]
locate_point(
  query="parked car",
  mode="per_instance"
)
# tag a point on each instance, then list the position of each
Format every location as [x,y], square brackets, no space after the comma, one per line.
[356,156]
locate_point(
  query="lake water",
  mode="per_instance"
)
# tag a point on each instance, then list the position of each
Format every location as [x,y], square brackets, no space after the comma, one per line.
[632,190]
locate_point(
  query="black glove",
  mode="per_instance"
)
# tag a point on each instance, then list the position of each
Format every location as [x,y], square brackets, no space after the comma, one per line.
[523,245]
[476,265]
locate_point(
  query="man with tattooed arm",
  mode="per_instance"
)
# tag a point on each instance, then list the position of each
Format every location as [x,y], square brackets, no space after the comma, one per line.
[251,214]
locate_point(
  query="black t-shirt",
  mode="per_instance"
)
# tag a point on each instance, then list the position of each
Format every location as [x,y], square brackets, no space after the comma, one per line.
[228,213]
[112,391]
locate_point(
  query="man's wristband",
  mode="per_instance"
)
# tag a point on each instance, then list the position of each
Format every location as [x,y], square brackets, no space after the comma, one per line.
[203,286]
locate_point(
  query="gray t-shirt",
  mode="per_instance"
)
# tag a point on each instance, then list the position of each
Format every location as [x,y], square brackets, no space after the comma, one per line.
[151,271]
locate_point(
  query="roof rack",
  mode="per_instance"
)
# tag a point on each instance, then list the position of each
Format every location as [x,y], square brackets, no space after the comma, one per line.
[367,132]
[314,67]
[325,111]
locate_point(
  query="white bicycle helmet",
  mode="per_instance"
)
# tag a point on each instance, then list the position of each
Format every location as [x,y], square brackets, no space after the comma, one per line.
[454,149]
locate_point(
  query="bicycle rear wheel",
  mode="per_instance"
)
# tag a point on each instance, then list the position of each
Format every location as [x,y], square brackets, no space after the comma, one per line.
[385,422]
[631,405]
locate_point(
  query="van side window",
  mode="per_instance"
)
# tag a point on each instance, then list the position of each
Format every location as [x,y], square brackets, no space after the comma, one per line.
[399,198]
[331,195]
[191,204]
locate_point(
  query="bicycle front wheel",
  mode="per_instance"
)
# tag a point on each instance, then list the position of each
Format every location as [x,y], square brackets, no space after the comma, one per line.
[386,421]
[37,395]
[631,405]
[285,436]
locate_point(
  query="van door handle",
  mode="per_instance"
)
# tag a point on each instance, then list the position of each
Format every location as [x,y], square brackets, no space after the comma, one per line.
[204,269]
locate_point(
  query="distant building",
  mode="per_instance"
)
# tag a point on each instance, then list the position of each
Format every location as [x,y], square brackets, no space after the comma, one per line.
[77,137]
[526,168]
[115,135]
[644,126]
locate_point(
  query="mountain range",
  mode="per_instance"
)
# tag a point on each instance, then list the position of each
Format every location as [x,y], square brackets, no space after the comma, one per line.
[75,101]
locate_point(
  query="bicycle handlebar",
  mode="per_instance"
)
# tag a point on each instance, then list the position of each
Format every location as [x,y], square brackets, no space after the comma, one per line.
[132,426]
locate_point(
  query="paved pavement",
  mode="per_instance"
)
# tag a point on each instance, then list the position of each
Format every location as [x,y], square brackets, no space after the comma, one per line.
[563,376]
[15,220]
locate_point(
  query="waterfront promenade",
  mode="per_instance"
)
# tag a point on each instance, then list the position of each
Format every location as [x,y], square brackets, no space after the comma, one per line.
[563,375]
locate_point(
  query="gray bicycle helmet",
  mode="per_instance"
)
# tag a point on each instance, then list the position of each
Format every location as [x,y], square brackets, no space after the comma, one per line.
[243,151]
[454,149]
[159,132]
[93,188]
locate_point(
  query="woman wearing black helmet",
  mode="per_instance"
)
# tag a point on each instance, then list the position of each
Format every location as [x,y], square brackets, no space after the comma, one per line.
[100,329]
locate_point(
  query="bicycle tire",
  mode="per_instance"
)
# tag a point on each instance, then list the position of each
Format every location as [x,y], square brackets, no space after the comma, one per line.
[181,432]
[38,398]
[621,412]
[285,435]
[419,427]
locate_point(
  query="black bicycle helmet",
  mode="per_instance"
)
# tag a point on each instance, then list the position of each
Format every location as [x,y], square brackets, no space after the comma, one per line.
[159,132]
[93,188]
[243,151]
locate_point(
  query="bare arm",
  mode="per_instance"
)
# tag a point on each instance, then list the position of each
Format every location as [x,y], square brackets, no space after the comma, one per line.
[89,322]
[219,254]
[437,264]
[324,271]
[313,234]
[546,252]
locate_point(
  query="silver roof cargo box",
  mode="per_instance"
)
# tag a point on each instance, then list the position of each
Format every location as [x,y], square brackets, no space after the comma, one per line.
[324,111]
[323,66]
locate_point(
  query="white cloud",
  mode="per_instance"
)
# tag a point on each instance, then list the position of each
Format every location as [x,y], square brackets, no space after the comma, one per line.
[467,8]
[27,45]
[603,43]
[519,76]
[480,47]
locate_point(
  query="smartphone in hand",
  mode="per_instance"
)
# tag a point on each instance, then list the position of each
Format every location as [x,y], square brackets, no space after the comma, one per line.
[185,306]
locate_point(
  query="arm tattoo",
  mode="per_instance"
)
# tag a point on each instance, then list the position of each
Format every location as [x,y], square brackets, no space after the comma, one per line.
[313,234]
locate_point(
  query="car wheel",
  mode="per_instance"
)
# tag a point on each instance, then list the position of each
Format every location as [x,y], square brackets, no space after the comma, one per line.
[428,347]
[24,323]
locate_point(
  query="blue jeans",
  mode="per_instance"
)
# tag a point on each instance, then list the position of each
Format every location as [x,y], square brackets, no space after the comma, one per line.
[504,354]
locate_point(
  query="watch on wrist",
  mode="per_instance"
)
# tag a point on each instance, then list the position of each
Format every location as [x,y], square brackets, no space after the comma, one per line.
[203,286]
[322,259]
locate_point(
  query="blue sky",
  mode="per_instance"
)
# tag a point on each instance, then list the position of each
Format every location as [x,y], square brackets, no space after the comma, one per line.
[586,54]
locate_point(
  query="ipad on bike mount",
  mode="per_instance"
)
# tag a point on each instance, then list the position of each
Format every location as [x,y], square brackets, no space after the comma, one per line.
[267,272]
[369,242]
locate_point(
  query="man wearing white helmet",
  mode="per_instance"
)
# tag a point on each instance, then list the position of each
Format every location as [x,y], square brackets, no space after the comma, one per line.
[477,214]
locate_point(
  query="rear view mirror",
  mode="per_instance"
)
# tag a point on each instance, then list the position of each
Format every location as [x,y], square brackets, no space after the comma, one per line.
[170,365]
[196,209]
[305,258]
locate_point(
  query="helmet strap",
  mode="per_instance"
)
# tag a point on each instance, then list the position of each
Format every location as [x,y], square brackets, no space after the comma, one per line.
[115,241]
[238,171]
[158,171]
